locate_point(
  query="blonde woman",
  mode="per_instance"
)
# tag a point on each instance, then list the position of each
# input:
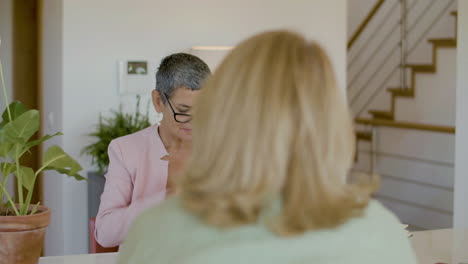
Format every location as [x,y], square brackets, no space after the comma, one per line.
[272,144]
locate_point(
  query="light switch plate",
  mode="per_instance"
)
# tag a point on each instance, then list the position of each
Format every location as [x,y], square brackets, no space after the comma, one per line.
[134,77]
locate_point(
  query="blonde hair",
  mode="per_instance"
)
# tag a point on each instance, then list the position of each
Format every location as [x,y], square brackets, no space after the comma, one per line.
[269,123]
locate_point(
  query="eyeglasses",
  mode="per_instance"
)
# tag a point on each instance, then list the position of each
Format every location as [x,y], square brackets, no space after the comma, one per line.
[178,117]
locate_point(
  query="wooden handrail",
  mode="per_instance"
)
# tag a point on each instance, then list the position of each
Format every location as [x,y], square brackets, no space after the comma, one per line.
[364,23]
[406,125]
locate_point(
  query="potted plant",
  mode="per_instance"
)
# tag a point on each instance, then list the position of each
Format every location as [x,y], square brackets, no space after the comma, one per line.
[117,125]
[22,224]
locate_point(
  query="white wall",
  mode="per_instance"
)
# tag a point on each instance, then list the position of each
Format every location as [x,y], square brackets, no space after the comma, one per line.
[98,33]
[54,184]
[417,171]
[6,56]
[434,102]
[461,149]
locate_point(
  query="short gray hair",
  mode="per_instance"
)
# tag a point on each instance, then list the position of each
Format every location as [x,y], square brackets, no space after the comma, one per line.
[180,69]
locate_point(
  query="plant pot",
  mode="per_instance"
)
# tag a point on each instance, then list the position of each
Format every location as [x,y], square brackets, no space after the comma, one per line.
[22,237]
[96,183]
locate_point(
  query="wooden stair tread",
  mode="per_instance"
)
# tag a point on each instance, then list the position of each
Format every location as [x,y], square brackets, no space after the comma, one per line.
[379,114]
[444,42]
[361,135]
[406,125]
[422,67]
[401,92]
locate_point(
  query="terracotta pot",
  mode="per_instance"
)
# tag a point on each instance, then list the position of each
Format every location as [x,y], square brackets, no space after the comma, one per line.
[22,237]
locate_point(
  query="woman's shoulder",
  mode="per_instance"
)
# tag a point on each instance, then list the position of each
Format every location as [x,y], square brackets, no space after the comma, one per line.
[376,209]
[380,233]
[375,217]
[378,214]
[169,215]
[171,207]
[142,143]
[163,227]
[377,235]
[137,139]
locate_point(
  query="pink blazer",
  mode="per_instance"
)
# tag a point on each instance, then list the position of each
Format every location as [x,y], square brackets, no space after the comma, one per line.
[135,180]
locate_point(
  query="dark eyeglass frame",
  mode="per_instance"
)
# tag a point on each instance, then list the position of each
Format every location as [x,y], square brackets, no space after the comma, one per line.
[175,113]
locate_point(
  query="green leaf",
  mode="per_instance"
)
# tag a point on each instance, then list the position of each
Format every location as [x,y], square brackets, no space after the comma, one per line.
[44,138]
[7,168]
[6,207]
[5,149]
[68,172]
[33,143]
[22,128]
[16,109]
[34,210]
[56,159]
[27,176]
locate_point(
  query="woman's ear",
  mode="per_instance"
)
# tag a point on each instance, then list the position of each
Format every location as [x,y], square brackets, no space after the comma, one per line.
[157,101]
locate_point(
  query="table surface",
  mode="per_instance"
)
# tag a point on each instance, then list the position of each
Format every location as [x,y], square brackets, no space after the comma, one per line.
[441,246]
[103,258]
[434,246]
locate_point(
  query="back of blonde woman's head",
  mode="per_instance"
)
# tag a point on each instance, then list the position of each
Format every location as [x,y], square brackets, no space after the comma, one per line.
[272,123]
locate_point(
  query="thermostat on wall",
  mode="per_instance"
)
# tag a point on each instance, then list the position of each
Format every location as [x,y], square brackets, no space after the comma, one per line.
[134,77]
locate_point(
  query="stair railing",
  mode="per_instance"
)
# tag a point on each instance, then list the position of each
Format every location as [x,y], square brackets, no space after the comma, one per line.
[403,53]
[403,45]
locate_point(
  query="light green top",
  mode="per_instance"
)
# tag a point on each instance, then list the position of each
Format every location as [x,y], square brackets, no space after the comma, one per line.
[169,234]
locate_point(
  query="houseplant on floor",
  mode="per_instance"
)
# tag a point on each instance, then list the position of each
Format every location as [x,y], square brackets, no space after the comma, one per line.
[22,224]
[118,124]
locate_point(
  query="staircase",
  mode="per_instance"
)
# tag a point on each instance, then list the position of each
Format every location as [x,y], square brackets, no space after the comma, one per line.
[405,128]
[387,117]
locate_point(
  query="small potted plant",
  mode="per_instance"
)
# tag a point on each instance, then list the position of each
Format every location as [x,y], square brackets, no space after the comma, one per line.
[22,224]
[117,125]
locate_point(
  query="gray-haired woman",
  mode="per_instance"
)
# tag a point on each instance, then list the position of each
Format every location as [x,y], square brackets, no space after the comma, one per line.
[137,177]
